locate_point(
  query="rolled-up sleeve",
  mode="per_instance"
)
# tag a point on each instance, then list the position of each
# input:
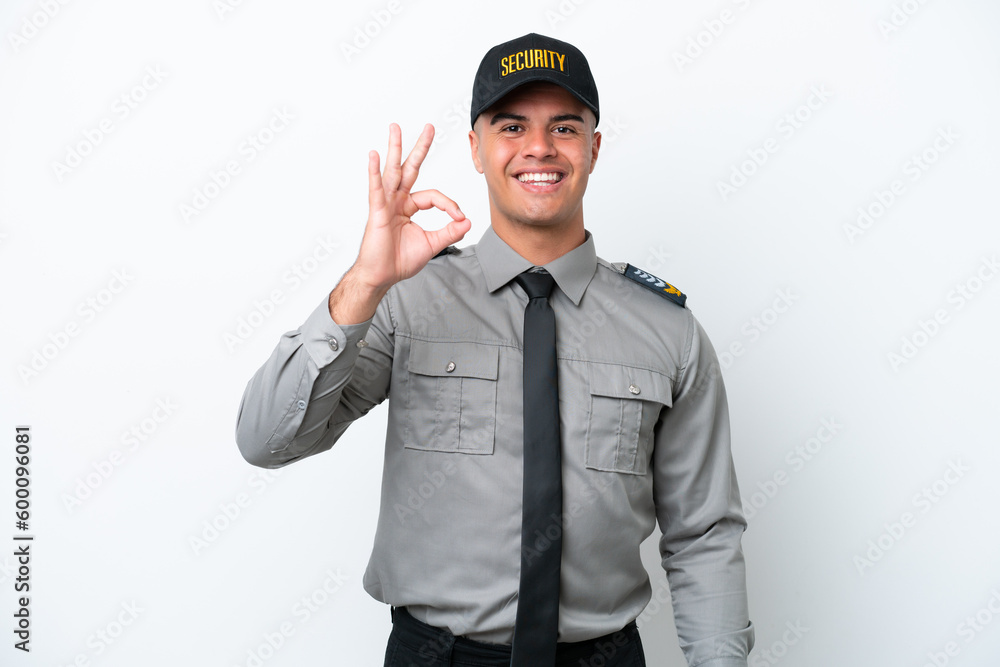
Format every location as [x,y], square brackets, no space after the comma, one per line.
[317,381]
[700,514]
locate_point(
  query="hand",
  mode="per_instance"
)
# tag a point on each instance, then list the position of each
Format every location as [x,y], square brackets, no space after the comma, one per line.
[394,247]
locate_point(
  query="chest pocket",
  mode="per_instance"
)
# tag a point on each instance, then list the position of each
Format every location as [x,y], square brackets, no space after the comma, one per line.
[625,404]
[451,397]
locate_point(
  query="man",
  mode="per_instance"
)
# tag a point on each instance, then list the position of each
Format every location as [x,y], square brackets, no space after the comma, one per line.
[543,457]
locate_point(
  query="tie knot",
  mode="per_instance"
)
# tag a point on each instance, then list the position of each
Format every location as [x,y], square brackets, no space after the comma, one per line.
[536,285]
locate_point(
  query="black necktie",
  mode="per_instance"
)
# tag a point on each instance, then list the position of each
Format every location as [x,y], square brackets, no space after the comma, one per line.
[537,623]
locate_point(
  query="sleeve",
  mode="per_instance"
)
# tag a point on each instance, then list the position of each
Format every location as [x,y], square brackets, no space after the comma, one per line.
[700,514]
[317,381]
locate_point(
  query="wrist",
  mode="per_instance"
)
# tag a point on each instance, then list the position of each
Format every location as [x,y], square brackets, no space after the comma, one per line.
[354,299]
[361,284]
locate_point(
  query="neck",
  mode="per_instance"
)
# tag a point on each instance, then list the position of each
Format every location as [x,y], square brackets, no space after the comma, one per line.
[540,244]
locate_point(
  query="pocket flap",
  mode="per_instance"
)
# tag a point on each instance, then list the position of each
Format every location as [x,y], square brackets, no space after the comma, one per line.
[619,381]
[453,359]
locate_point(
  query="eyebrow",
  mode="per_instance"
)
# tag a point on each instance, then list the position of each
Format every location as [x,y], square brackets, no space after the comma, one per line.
[506,116]
[513,116]
[567,116]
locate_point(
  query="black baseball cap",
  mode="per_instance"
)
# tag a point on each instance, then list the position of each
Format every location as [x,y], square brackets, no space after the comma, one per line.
[533,57]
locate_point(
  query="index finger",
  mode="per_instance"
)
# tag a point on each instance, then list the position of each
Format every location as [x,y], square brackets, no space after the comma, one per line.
[411,167]
[376,195]
[390,176]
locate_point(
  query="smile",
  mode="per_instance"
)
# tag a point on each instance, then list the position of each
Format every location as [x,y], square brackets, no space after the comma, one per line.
[544,178]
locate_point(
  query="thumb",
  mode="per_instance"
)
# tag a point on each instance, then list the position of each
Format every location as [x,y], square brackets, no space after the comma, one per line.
[448,235]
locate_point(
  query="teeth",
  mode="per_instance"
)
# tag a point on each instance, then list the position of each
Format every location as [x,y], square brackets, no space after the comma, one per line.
[539,178]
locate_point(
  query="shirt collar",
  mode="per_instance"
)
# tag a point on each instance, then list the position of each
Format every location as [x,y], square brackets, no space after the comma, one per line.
[572,272]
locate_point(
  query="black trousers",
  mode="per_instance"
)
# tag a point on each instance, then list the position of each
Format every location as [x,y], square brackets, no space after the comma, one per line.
[416,644]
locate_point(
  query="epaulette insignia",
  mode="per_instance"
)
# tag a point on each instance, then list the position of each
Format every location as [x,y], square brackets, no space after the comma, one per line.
[446,251]
[661,287]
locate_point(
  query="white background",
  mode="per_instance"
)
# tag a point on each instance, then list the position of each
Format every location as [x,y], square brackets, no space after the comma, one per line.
[827,550]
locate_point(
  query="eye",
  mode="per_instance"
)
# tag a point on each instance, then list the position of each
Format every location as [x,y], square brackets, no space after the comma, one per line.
[512,128]
[565,129]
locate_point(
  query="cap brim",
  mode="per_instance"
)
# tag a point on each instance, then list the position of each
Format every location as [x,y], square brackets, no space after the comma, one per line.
[531,78]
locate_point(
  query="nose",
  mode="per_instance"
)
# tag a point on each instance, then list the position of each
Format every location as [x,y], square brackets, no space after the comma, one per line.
[538,143]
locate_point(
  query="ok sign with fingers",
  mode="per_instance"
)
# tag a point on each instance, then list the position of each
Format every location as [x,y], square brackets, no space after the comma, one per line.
[394,247]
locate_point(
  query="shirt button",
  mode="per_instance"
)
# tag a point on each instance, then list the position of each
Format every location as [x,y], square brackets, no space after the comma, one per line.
[302,405]
[633,389]
[334,345]
[450,367]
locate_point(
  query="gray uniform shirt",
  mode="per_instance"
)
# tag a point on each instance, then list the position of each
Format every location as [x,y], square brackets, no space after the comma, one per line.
[645,437]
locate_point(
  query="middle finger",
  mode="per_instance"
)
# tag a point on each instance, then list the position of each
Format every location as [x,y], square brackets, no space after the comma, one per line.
[391,173]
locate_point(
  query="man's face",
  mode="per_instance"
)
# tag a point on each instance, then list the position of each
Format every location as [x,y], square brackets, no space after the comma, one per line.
[537,147]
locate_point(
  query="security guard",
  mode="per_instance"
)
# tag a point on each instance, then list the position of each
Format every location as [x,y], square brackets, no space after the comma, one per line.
[509,535]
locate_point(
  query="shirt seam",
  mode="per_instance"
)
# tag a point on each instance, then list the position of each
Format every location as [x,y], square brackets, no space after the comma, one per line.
[708,662]
[688,343]
[452,340]
[288,409]
[651,369]
[388,305]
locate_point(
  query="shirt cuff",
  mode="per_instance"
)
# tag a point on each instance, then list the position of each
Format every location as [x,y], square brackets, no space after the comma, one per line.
[329,344]
[723,662]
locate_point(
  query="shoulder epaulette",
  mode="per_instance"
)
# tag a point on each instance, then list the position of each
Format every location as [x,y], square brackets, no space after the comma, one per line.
[651,282]
[449,250]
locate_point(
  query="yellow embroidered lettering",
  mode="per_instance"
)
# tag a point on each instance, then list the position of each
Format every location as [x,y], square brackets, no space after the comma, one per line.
[530,59]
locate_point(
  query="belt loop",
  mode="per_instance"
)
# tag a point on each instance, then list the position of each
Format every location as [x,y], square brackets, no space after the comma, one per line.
[442,646]
[451,647]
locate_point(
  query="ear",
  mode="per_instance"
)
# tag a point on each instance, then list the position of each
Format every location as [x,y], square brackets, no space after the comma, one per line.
[595,147]
[474,146]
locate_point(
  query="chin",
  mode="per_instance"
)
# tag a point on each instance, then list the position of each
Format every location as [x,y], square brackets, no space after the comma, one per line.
[539,220]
